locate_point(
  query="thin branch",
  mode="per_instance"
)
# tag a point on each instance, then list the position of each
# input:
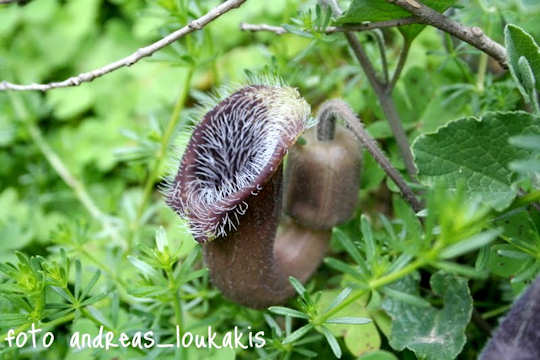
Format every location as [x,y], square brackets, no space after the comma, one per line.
[63,172]
[340,108]
[4,2]
[379,38]
[472,35]
[401,63]
[385,98]
[387,104]
[194,25]
[153,175]
[364,61]
[279,30]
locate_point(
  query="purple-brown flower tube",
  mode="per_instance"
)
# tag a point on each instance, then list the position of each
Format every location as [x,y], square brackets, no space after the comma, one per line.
[229,188]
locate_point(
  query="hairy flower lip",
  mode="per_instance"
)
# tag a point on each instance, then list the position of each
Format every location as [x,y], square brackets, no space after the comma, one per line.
[278,112]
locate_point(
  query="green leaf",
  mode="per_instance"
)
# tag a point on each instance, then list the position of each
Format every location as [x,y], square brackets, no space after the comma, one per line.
[358,339]
[380,10]
[367,234]
[349,320]
[520,44]
[460,269]
[344,268]
[339,299]
[297,285]
[297,334]
[280,310]
[470,244]
[476,152]
[405,297]
[378,355]
[332,341]
[433,334]
[348,244]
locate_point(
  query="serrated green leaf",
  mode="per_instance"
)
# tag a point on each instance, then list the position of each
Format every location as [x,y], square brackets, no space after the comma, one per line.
[476,152]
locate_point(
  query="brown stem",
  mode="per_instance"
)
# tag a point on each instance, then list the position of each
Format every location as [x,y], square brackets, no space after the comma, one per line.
[387,103]
[472,35]
[252,264]
[337,107]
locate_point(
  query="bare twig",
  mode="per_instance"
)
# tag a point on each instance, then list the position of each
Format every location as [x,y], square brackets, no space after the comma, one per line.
[399,67]
[194,25]
[472,35]
[385,98]
[63,172]
[279,30]
[379,38]
[337,107]
[387,103]
[3,2]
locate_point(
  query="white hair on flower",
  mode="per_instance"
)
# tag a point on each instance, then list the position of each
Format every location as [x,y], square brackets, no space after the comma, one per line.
[238,144]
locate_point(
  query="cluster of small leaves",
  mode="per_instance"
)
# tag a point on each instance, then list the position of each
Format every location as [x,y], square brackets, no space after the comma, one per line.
[39,291]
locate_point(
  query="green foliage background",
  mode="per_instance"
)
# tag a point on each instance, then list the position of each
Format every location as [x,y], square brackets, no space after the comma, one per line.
[93,231]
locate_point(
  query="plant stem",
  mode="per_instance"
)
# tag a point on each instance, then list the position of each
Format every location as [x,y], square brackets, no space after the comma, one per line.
[44,325]
[178,316]
[396,275]
[160,156]
[61,169]
[342,109]
[400,65]
[379,38]
[375,284]
[387,104]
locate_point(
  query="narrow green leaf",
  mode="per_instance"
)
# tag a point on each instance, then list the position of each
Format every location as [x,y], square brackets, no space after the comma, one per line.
[349,320]
[306,352]
[281,310]
[368,238]
[142,266]
[297,334]
[519,44]
[405,297]
[339,299]
[470,244]
[332,341]
[349,246]
[91,283]
[298,287]
[344,267]
[63,293]
[273,324]
[460,269]
[161,239]
[78,279]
